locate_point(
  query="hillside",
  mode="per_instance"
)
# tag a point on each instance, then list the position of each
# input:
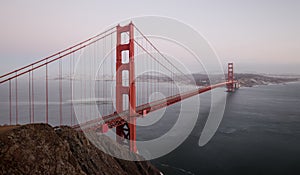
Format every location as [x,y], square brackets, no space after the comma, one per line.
[249,80]
[42,149]
[245,79]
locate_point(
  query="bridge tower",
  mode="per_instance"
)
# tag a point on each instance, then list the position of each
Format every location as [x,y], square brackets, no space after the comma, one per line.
[126,133]
[230,78]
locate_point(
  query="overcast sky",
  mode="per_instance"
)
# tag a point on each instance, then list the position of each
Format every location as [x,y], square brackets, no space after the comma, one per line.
[258,35]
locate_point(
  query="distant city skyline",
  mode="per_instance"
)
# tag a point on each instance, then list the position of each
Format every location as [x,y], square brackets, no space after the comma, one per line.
[258,36]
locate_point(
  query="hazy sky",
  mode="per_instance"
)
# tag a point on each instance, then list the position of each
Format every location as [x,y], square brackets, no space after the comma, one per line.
[258,35]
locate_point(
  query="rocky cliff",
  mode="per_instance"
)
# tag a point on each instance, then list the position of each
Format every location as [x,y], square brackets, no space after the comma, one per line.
[42,149]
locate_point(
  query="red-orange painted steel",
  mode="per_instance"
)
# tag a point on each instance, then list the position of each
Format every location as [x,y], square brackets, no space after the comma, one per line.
[128,129]
[48,62]
[117,119]
[230,78]
[58,53]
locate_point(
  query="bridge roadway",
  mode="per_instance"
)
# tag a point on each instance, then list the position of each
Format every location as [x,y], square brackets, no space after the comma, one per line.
[114,120]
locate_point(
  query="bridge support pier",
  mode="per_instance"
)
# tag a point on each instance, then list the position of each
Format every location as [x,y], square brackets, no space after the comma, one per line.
[126,133]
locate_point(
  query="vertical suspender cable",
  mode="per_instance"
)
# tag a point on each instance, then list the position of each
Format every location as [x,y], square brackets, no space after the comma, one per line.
[10,110]
[84,92]
[60,92]
[81,100]
[71,100]
[102,67]
[32,99]
[47,103]
[16,83]
[112,69]
[138,84]
[29,96]
[147,85]
[93,80]
[90,85]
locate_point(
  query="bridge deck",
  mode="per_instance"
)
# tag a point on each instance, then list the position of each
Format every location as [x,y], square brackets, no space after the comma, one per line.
[114,120]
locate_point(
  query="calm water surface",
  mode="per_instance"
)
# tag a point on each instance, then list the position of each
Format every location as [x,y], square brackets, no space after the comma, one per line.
[259,134]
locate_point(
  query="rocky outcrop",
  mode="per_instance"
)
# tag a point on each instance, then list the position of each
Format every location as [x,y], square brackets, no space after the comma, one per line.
[41,149]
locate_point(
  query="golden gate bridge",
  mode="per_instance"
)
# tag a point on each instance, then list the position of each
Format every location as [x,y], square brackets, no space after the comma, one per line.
[121,46]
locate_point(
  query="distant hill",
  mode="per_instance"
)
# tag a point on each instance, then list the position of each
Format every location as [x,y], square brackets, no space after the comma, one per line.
[249,80]
[245,79]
